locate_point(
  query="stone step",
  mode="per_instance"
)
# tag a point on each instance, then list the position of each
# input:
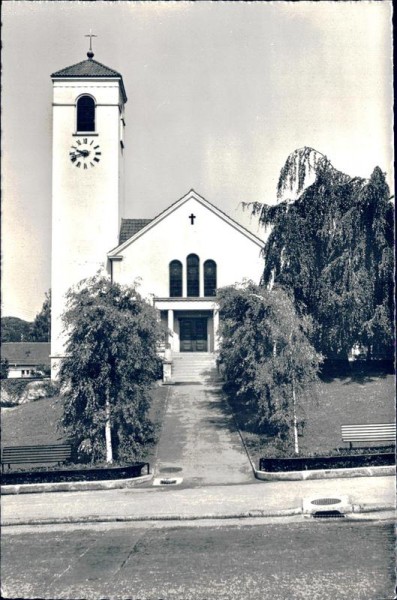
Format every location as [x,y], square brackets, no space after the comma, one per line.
[211,370]
[196,366]
[193,367]
[179,379]
[193,362]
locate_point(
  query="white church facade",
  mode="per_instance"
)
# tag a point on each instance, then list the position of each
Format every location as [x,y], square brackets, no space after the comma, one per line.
[179,258]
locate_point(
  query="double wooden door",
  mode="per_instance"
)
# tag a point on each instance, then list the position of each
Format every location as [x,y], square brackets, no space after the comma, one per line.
[193,334]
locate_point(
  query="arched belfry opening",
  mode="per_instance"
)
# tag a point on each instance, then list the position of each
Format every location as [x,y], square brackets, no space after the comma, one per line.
[85,108]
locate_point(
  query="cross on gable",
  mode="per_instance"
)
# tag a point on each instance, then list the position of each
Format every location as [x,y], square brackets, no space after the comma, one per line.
[192,217]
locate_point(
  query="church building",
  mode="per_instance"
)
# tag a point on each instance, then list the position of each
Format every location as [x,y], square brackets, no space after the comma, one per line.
[180,257]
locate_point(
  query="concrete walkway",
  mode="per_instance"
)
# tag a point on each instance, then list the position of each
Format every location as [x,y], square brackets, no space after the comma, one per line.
[199,441]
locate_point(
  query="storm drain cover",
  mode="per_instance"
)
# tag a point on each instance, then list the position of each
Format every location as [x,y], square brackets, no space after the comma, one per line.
[334,506]
[328,514]
[325,501]
[167,481]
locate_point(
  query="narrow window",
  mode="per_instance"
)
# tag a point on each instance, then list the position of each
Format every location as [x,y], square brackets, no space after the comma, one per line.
[193,275]
[175,279]
[85,114]
[210,278]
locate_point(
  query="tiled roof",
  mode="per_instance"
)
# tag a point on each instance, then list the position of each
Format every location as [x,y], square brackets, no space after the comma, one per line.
[26,353]
[90,68]
[130,227]
[87,68]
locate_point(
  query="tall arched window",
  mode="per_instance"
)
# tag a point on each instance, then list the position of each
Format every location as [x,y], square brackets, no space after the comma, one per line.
[175,279]
[86,114]
[210,278]
[193,275]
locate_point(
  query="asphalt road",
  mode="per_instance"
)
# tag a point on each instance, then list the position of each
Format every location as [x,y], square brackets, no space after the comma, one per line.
[292,560]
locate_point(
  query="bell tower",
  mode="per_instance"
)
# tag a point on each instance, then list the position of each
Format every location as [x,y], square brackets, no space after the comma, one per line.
[87,179]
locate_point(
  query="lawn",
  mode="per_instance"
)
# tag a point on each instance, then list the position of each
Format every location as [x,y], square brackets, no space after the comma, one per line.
[360,398]
[334,401]
[32,423]
[36,422]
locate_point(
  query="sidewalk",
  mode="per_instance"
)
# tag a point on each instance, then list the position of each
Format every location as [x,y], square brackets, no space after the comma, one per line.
[261,499]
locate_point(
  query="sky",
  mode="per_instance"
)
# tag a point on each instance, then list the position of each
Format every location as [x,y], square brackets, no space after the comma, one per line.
[219,94]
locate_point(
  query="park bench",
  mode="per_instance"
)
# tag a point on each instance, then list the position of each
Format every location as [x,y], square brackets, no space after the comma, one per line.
[52,453]
[372,432]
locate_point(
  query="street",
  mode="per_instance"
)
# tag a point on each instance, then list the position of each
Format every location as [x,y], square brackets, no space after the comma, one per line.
[298,559]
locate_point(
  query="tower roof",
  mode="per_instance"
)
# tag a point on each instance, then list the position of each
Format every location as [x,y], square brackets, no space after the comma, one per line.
[90,68]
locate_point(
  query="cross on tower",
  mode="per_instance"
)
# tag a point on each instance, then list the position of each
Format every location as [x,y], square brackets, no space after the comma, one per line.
[192,217]
[90,53]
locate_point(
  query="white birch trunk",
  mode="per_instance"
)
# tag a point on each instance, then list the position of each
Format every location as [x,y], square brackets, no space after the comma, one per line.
[108,434]
[296,444]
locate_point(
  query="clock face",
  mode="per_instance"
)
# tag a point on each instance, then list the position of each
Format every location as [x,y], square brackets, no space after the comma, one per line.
[85,153]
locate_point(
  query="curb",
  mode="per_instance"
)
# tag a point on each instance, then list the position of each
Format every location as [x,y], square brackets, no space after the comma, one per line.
[362,509]
[75,486]
[325,473]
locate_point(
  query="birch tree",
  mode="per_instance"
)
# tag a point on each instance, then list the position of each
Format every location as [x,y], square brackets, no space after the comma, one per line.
[267,359]
[109,368]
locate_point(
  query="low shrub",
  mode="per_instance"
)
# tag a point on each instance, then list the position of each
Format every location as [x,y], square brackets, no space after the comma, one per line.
[12,390]
[327,462]
[20,391]
[73,473]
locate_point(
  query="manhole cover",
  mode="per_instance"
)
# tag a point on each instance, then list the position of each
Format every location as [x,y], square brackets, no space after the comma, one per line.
[325,501]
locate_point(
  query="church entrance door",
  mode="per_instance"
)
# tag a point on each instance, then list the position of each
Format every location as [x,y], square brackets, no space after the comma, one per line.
[193,334]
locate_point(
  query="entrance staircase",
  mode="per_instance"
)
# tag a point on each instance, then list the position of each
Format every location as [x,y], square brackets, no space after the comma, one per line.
[193,367]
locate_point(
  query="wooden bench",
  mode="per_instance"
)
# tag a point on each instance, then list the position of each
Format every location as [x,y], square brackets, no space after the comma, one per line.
[52,453]
[373,432]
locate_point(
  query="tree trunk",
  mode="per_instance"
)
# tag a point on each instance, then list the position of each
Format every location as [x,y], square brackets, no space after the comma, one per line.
[296,444]
[108,434]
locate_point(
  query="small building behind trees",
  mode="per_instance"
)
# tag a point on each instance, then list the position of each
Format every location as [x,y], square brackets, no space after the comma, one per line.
[26,359]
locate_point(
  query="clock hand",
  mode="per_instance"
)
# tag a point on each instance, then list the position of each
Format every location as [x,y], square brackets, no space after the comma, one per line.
[79,152]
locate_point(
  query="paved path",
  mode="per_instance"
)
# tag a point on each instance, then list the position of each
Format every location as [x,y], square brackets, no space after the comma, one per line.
[199,502]
[199,441]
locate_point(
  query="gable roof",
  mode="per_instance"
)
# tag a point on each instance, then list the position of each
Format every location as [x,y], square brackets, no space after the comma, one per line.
[130,227]
[26,353]
[90,68]
[190,195]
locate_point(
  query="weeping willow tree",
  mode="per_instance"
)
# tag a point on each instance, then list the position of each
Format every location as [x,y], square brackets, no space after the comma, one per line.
[332,248]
